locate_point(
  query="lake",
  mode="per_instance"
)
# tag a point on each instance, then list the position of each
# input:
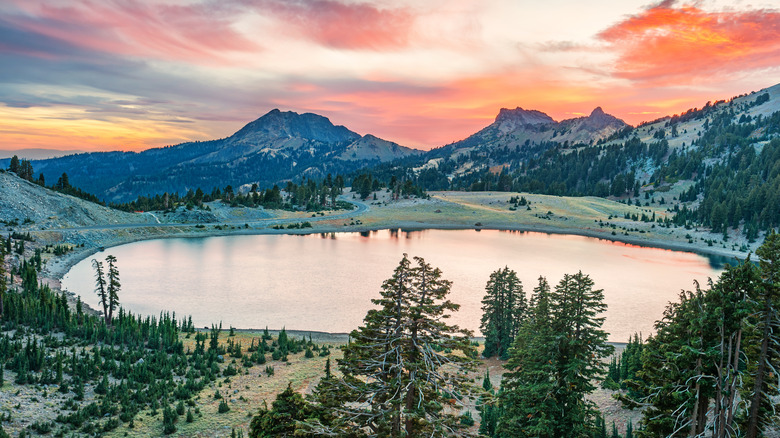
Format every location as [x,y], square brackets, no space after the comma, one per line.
[324,282]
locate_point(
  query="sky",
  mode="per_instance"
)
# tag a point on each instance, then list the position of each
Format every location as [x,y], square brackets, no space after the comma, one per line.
[133,74]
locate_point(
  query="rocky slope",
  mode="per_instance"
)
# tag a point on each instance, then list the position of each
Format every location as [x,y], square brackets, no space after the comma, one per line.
[519,134]
[22,201]
[521,128]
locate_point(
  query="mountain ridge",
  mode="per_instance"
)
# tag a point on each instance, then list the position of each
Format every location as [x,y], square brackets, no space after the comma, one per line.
[276,147]
[283,145]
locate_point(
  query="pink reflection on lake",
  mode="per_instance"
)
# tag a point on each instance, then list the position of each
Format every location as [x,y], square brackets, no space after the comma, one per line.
[325,282]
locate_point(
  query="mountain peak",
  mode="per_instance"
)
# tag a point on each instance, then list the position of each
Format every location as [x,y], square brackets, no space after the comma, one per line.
[523,117]
[280,124]
[597,121]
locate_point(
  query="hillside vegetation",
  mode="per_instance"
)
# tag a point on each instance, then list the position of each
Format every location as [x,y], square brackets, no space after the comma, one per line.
[720,161]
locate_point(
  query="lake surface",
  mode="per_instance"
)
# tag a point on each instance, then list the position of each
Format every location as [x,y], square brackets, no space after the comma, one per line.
[325,282]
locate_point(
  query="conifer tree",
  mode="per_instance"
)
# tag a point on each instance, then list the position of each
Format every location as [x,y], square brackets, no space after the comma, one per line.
[767,301]
[554,361]
[14,165]
[528,385]
[403,370]
[693,367]
[280,421]
[100,286]
[503,308]
[113,286]
[328,374]
[487,408]
[3,286]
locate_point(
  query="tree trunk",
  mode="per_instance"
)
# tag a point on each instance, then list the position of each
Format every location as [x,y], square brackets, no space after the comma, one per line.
[758,388]
[409,420]
[695,414]
[733,390]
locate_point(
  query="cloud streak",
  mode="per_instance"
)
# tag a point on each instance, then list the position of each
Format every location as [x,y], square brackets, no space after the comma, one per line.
[199,33]
[671,44]
[354,26]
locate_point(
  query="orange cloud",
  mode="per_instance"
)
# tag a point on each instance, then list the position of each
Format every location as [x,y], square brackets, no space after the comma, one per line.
[668,44]
[427,117]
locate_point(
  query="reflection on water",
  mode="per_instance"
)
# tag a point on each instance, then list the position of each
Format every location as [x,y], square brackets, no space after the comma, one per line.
[326,281]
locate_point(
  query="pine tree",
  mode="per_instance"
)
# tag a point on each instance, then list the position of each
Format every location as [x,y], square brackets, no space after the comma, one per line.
[555,359]
[528,385]
[488,409]
[393,381]
[113,286]
[767,300]
[581,346]
[693,367]
[280,421]
[169,420]
[503,308]
[100,286]
[3,286]
[14,165]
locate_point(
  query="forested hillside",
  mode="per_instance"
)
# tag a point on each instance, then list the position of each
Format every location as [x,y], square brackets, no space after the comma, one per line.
[720,164]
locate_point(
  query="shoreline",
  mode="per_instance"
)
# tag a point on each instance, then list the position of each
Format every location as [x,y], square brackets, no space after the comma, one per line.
[66,263]
[404,216]
[53,274]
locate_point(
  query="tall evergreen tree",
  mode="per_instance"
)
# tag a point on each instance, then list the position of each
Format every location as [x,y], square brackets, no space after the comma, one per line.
[693,366]
[767,300]
[503,308]
[3,285]
[100,286]
[581,345]
[554,361]
[393,379]
[528,385]
[113,286]
[14,165]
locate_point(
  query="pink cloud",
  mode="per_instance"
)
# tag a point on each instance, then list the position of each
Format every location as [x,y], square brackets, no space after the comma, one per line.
[197,33]
[357,26]
[669,44]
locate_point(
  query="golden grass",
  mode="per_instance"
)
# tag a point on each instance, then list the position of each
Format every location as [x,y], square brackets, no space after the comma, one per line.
[245,392]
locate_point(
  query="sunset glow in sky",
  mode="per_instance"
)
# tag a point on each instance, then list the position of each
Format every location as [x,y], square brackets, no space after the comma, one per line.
[134,74]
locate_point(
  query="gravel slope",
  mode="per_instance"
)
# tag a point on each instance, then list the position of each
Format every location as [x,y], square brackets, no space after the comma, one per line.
[21,200]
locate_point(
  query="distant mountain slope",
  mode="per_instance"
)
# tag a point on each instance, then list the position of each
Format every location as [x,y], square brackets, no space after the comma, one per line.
[519,127]
[276,147]
[21,200]
[36,153]
[519,134]
[716,167]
